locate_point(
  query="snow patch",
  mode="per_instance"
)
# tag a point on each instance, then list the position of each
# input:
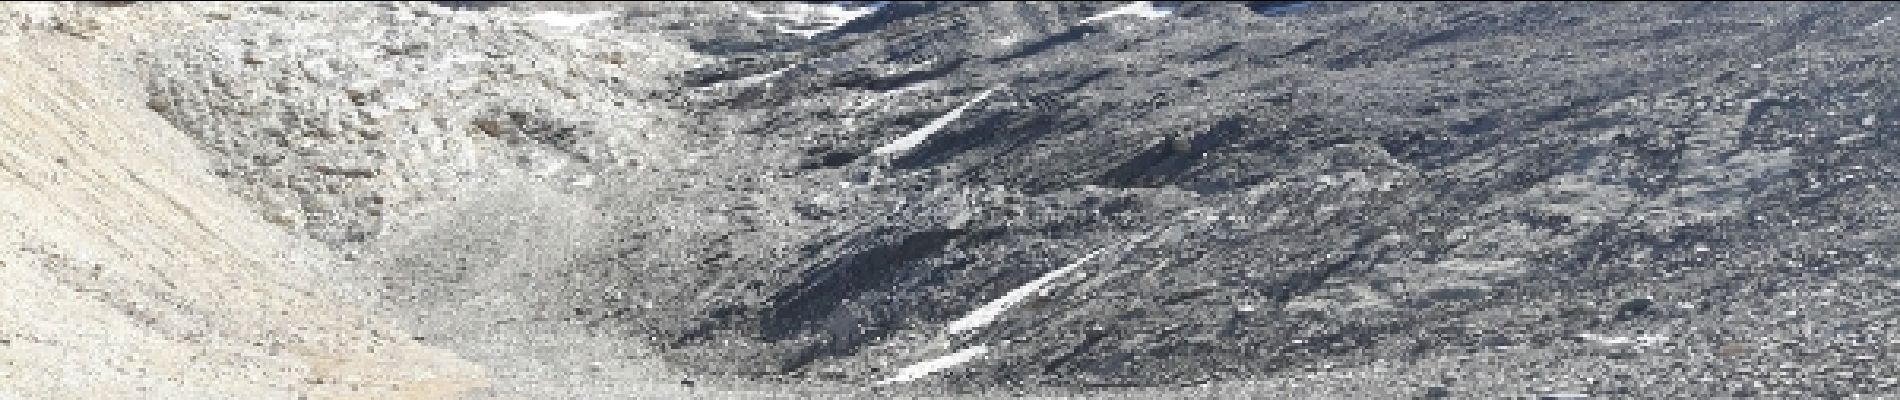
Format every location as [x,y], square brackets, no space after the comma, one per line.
[569,20]
[989,312]
[927,367]
[917,137]
[810,20]
[1624,340]
[1144,9]
[761,78]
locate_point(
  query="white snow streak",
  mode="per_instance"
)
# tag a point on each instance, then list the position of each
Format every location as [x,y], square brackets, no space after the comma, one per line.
[1624,340]
[814,19]
[988,313]
[917,137]
[751,80]
[760,78]
[1144,9]
[569,20]
[927,367]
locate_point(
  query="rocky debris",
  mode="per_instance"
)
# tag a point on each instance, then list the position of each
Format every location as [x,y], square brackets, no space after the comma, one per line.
[130,275]
[1343,199]
[340,127]
[1345,184]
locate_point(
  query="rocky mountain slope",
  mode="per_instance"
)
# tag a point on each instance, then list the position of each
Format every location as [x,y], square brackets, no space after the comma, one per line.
[1217,195]
[128,274]
[1141,199]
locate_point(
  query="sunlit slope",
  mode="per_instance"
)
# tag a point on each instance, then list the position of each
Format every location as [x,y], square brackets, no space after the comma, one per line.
[127,272]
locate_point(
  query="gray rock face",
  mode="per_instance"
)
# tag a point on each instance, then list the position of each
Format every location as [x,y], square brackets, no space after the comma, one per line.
[1344,185]
[1342,199]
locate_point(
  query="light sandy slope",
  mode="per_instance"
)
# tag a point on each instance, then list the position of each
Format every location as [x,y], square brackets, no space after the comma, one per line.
[128,272]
